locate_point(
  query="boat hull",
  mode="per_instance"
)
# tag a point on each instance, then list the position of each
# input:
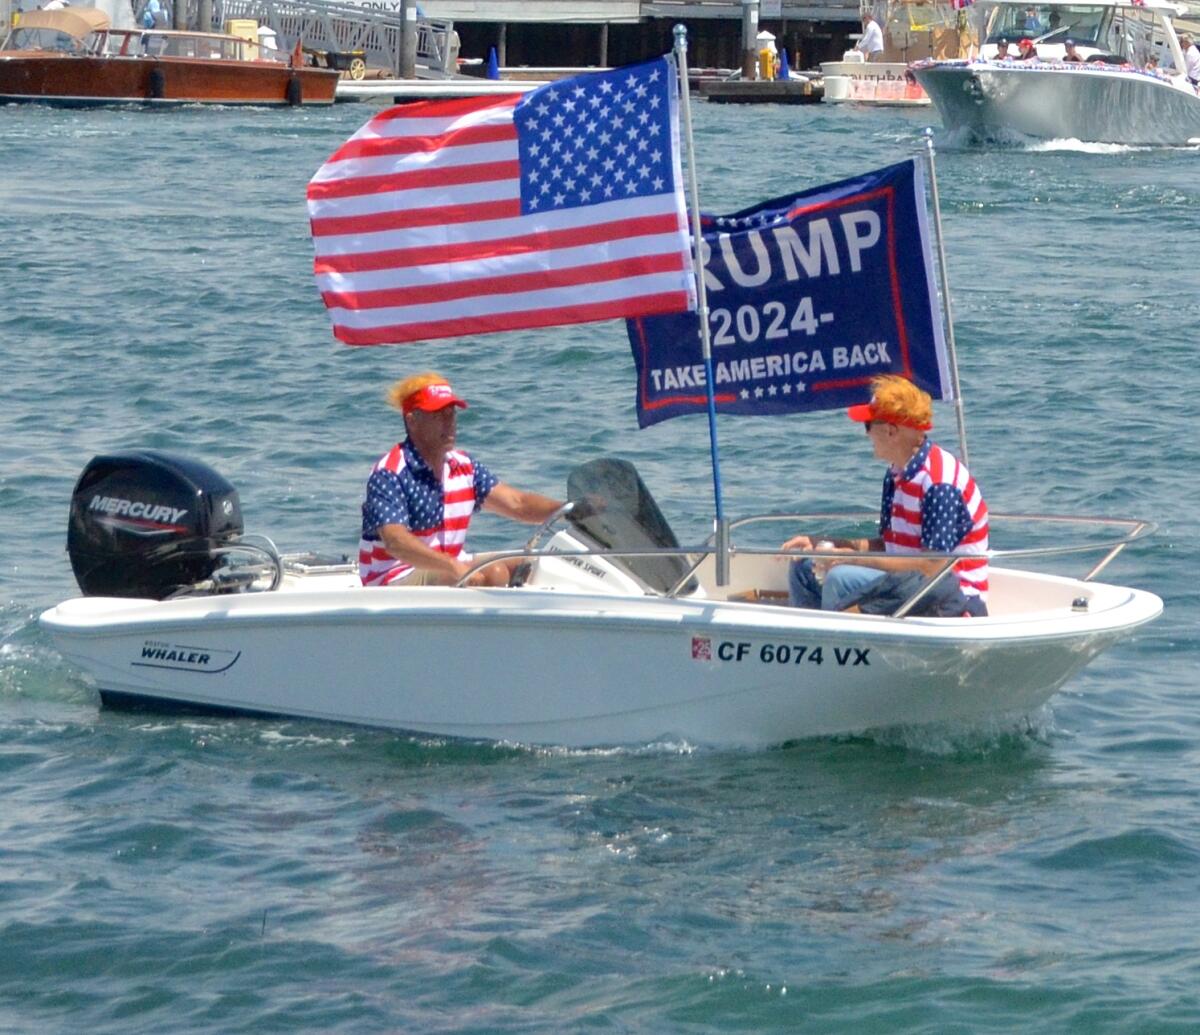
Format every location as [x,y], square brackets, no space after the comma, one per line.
[577,669]
[886,84]
[72,80]
[1093,103]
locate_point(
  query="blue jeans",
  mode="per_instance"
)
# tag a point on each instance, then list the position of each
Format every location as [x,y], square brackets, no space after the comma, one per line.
[877,592]
[844,584]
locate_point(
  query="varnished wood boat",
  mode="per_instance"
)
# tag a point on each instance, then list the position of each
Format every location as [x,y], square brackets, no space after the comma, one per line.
[73,57]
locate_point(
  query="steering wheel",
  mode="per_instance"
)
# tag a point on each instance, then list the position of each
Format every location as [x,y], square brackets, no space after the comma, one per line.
[544,527]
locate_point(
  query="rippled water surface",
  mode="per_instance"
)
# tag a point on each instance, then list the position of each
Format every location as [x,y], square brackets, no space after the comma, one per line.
[162,874]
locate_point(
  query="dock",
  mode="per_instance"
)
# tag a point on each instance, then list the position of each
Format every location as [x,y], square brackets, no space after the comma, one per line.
[400,91]
[764,91]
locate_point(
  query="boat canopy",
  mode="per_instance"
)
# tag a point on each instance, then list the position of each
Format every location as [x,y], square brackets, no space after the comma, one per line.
[76,22]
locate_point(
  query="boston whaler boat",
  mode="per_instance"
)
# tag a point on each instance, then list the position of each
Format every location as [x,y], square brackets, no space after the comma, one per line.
[1128,89]
[609,631]
[612,634]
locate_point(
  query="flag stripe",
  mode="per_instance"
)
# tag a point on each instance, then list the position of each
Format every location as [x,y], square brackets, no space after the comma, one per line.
[671,302]
[353,169]
[428,177]
[503,265]
[539,240]
[437,215]
[623,213]
[427,197]
[525,301]
[512,284]
[380,146]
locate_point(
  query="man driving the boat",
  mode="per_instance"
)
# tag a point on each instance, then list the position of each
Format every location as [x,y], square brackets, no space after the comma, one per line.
[930,504]
[423,491]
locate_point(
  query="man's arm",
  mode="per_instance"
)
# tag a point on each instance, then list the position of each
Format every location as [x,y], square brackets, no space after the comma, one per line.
[519,505]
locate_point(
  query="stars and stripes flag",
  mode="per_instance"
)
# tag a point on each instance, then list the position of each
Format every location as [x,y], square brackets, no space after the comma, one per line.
[453,217]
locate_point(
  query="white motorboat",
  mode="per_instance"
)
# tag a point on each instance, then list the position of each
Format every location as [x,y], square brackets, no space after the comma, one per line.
[912,31]
[1128,89]
[612,633]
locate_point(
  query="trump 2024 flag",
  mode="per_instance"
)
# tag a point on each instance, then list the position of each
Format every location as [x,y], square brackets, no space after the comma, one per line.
[563,205]
[810,296]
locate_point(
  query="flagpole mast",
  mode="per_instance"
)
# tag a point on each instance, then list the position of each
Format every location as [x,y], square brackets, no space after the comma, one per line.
[722,526]
[947,314]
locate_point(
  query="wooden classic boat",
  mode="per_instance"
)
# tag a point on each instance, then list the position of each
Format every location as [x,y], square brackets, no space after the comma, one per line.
[73,57]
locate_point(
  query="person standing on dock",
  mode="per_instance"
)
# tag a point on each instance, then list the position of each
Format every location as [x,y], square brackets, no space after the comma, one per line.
[1191,59]
[423,491]
[871,42]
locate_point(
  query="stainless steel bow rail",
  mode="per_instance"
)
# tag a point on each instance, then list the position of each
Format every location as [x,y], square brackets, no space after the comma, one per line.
[257,566]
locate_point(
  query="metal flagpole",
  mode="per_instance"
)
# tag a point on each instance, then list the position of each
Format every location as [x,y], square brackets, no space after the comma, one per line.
[948,316]
[722,526]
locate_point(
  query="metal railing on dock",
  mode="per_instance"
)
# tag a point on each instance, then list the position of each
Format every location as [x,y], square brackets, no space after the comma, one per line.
[322,25]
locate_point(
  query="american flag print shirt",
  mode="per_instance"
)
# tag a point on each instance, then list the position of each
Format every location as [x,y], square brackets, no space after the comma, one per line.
[934,504]
[403,490]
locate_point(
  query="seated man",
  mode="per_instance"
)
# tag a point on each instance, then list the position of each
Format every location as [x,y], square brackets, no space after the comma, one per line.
[930,503]
[423,491]
[1002,53]
[1026,51]
[1072,53]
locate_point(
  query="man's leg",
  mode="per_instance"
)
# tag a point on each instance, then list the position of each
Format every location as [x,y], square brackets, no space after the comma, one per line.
[803,588]
[845,583]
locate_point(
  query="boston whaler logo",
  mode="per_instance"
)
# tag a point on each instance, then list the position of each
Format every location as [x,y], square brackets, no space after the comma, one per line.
[138,517]
[185,657]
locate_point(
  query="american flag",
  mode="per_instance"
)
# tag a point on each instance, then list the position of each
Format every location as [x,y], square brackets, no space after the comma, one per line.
[564,205]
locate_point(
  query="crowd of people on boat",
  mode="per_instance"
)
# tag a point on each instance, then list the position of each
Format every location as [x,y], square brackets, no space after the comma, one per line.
[1027,51]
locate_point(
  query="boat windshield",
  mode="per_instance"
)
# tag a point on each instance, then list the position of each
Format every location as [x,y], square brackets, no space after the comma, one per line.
[628,519]
[168,43]
[41,39]
[1046,23]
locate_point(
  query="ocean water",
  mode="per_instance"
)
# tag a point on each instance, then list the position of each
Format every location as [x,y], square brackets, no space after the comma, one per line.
[166,874]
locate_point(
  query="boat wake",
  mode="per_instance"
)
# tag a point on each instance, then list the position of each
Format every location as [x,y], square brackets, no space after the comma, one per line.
[988,735]
[1083,147]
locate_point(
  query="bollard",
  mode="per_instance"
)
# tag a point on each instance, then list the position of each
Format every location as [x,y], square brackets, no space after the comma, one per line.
[408,39]
[749,38]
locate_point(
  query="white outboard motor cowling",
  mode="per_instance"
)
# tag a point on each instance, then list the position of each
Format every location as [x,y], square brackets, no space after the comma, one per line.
[147,524]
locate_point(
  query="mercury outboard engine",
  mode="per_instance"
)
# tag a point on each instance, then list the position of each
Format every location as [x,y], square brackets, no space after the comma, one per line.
[146,524]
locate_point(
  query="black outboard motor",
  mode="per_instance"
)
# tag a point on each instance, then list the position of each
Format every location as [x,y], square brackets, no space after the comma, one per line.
[145,524]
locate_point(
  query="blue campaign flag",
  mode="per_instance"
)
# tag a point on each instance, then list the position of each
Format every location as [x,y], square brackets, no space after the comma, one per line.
[810,296]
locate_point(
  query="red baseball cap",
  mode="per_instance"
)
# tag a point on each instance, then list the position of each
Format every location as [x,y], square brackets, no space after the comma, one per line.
[864,412]
[1025,43]
[432,398]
